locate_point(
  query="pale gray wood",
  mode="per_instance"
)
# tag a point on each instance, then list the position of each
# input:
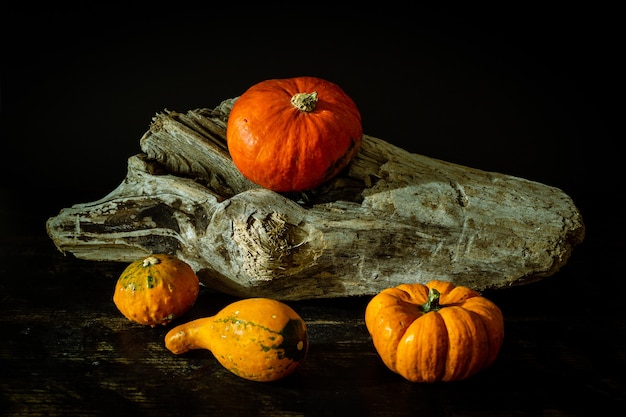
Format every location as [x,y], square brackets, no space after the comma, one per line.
[392,217]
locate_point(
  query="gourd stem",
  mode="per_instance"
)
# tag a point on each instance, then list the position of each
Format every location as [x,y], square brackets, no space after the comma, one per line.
[150,260]
[432,304]
[305,102]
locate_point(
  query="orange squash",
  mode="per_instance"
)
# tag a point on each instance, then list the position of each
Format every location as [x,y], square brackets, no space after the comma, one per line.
[156,290]
[258,339]
[293,134]
[434,332]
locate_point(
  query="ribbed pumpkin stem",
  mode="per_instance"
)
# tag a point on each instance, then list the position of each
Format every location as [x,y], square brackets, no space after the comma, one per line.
[151,260]
[304,101]
[433,301]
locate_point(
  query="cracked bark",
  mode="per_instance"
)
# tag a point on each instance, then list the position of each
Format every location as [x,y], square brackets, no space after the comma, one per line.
[392,217]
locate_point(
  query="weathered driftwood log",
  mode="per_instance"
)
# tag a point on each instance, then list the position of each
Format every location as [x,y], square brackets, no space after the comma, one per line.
[392,217]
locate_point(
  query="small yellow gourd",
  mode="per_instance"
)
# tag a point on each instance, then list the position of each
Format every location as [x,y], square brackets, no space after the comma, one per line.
[156,290]
[258,339]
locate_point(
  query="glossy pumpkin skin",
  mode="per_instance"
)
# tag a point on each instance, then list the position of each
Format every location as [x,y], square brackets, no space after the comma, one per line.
[155,290]
[285,147]
[460,335]
[258,339]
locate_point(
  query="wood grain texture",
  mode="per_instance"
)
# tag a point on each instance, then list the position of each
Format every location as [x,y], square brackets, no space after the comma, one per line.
[392,217]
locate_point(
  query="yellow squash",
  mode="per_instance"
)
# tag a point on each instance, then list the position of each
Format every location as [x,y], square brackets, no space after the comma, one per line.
[259,339]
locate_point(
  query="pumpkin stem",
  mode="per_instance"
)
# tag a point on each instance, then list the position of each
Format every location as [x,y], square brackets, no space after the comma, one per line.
[304,101]
[432,304]
[151,260]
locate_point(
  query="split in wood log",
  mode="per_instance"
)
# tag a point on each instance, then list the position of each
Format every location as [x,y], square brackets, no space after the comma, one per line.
[392,217]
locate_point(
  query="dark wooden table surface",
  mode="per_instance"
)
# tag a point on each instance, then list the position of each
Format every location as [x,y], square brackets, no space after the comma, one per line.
[522,93]
[66,350]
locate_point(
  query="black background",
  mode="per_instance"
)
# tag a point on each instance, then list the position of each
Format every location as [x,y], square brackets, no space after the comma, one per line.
[531,91]
[527,91]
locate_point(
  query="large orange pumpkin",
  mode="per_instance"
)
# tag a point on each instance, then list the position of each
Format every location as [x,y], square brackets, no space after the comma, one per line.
[434,332]
[293,134]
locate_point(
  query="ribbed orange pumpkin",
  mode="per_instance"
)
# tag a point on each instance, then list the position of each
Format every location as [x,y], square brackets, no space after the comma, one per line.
[156,290]
[434,332]
[293,134]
